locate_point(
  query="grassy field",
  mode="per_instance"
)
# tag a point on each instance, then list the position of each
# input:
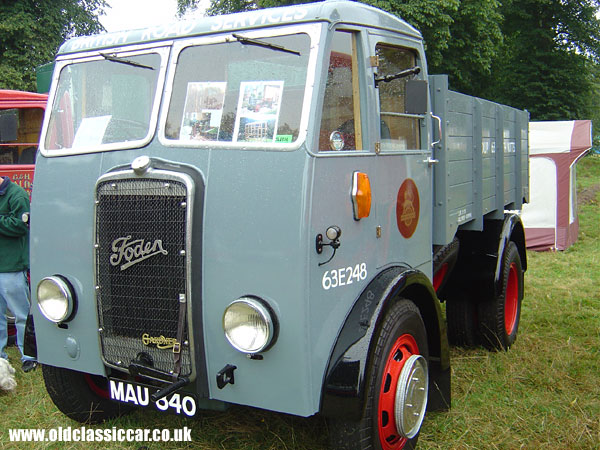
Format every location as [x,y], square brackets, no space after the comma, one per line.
[543,393]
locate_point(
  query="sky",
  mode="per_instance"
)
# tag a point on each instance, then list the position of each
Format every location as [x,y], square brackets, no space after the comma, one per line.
[132,14]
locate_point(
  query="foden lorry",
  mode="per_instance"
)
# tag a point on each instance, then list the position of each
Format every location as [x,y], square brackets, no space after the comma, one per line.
[265,209]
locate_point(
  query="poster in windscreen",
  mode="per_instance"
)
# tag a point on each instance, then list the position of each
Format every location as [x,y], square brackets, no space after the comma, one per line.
[258,111]
[203,111]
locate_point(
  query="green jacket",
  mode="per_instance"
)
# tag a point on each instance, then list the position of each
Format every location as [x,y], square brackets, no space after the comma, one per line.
[14,233]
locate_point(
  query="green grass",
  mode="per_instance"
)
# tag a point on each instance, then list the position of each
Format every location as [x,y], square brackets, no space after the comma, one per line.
[543,393]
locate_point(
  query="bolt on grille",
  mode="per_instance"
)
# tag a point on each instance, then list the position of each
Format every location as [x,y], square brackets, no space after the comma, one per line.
[141,231]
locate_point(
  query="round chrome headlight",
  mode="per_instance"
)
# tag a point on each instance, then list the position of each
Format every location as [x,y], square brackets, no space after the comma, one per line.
[55,299]
[248,325]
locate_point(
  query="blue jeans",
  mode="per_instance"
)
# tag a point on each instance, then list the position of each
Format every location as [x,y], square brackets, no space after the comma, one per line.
[14,294]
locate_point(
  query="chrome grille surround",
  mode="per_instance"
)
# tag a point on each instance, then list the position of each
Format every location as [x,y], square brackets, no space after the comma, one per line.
[142,267]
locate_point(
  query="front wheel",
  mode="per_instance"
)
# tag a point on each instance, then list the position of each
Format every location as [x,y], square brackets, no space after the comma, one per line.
[398,387]
[80,396]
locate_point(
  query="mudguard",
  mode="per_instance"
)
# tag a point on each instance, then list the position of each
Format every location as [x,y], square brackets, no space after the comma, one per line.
[483,251]
[344,387]
[512,230]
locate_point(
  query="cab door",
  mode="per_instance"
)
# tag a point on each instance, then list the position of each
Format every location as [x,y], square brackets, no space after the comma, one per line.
[404,174]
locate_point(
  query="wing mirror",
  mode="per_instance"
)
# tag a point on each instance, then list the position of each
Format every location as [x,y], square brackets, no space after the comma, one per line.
[416,97]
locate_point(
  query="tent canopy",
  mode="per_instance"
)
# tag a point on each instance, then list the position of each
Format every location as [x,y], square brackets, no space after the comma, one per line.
[550,218]
[571,136]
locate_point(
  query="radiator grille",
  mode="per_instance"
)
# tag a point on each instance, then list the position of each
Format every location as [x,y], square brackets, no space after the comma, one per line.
[141,271]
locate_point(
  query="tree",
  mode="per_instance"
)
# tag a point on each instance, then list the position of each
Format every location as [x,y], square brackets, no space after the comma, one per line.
[31,31]
[230,6]
[432,19]
[475,41]
[217,6]
[593,102]
[550,54]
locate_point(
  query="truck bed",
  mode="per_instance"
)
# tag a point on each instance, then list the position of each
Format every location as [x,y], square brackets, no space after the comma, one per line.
[483,160]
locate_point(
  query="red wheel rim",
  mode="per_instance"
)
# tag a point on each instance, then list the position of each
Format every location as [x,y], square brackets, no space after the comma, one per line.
[511,299]
[100,390]
[439,276]
[404,347]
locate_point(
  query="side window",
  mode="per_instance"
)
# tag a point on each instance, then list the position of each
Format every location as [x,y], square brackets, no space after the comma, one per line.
[399,131]
[340,122]
[19,135]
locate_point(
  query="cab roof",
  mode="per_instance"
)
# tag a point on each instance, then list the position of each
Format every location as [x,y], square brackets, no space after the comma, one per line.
[331,11]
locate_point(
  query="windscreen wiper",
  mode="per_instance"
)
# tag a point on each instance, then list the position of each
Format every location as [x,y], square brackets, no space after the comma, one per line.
[405,73]
[125,61]
[248,41]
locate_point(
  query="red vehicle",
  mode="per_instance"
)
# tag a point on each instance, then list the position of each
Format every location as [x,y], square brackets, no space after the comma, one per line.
[21,116]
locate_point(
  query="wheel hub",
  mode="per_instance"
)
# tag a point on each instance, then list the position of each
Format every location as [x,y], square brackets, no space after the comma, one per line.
[403,394]
[411,396]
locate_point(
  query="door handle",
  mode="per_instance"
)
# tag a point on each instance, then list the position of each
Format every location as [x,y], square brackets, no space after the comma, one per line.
[431,161]
[439,120]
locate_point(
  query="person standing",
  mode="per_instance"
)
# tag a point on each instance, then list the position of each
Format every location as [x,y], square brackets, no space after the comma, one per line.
[14,263]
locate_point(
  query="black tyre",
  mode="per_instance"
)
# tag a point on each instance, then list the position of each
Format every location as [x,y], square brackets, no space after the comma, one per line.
[398,367]
[499,317]
[80,396]
[462,321]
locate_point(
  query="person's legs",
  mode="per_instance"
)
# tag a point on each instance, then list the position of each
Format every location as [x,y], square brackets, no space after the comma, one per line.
[15,292]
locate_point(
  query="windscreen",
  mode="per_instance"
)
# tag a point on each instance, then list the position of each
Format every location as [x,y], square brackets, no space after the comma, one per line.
[103,101]
[240,91]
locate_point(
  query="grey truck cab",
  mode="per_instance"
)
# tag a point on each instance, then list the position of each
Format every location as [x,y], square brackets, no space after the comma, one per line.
[253,209]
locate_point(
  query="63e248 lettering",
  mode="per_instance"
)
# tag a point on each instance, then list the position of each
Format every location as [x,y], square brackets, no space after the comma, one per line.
[344,276]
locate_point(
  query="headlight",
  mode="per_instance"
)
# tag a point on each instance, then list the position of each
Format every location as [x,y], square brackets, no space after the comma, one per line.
[248,325]
[55,299]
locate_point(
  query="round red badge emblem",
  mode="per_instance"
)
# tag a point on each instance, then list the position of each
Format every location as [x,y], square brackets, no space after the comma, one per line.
[407,208]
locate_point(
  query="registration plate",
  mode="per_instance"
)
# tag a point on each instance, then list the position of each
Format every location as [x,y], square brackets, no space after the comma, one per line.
[137,394]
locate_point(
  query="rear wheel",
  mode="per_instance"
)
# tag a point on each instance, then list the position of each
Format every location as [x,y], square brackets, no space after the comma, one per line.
[81,396]
[462,321]
[397,389]
[499,316]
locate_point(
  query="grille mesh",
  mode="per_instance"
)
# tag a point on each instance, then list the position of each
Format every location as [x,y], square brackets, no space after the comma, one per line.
[141,270]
